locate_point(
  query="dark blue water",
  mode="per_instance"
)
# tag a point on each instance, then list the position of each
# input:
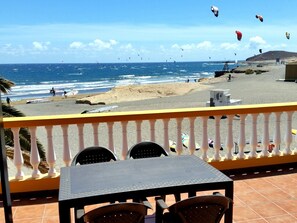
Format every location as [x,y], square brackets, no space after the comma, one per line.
[36,80]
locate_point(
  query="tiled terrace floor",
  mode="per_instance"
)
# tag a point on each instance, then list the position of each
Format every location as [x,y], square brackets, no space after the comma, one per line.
[268,196]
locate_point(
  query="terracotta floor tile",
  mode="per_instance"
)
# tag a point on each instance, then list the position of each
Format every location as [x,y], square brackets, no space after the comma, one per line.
[289,205]
[261,220]
[282,219]
[51,210]
[252,198]
[259,184]
[29,211]
[268,209]
[275,194]
[244,214]
[258,200]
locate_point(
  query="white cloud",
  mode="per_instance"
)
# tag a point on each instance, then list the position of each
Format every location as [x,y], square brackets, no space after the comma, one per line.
[76,45]
[40,46]
[204,45]
[229,46]
[100,44]
[256,42]
[127,47]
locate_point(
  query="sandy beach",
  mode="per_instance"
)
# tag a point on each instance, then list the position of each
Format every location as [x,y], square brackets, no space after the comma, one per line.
[251,89]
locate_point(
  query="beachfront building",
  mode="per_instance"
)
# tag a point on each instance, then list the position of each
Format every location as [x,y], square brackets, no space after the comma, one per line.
[262,135]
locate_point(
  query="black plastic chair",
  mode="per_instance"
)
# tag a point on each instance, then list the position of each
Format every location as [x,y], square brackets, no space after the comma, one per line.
[89,155]
[94,154]
[118,213]
[146,149]
[200,209]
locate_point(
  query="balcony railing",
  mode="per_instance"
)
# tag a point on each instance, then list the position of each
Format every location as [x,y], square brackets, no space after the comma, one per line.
[250,135]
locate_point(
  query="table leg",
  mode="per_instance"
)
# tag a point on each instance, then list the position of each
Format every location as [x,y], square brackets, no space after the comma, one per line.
[64,214]
[229,212]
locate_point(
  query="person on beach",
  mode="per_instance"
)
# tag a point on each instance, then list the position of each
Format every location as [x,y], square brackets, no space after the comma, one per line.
[53,91]
[65,94]
[8,100]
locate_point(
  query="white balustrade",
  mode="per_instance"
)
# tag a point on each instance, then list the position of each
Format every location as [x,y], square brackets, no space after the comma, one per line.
[34,158]
[217,141]
[124,140]
[242,140]
[51,155]
[277,134]
[18,159]
[96,133]
[138,131]
[179,143]
[66,150]
[254,136]
[166,134]
[152,130]
[204,144]
[192,143]
[230,141]
[288,136]
[266,140]
[81,137]
[110,136]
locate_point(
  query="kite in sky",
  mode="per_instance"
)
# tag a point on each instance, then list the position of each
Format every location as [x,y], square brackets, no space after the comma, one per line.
[259,17]
[288,35]
[215,10]
[239,35]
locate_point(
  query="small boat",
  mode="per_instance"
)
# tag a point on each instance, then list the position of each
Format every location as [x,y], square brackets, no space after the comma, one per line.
[222,72]
[99,110]
[37,100]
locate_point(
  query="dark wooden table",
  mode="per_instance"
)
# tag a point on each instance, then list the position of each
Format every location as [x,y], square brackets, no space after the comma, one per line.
[128,179]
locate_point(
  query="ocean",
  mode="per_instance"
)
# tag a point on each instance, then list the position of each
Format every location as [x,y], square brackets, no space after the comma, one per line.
[36,80]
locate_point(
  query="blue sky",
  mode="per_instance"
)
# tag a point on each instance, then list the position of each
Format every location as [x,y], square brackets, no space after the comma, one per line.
[35,31]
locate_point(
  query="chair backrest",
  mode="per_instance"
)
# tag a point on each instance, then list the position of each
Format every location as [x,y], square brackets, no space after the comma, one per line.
[146,149]
[117,213]
[94,154]
[202,209]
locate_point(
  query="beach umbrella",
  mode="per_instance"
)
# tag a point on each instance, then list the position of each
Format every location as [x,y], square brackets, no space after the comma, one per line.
[215,10]
[238,34]
[259,17]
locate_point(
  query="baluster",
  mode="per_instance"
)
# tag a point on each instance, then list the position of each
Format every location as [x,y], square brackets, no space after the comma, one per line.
[81,136]
[266,140]
[217,141]
[110,136]
[66,150]
[230,140]
[254,140]
[192,143]
[242,140]
[51,155]
[124,139]
[18,159]
[96,133]
[204,144]
[34,157]
[179,144]
[166,134]
[288,136]
[277,134]
[138,131]
[152,128]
